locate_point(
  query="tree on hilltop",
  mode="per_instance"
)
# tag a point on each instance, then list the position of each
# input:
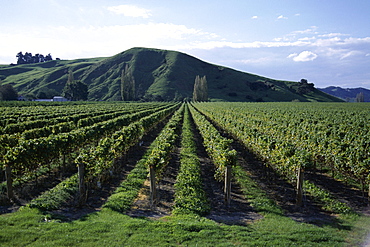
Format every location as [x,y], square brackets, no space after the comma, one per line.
[28,58]
[304,87]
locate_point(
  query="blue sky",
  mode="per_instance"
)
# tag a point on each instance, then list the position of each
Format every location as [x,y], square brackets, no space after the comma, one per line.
[326,42]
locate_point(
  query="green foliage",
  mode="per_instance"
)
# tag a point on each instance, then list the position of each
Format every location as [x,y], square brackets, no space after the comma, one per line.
[75,90]
[216,145]
[255,194]
[190,197]
[28,58]
[29,147]
[46,93]
[110,228]
[289,137]
[55,197]
[339,129]
[7,92]
[123,197]
[99,159]
[165,143]
[326,199]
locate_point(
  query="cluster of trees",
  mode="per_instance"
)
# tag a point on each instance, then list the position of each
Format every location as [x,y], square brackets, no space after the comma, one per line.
[304,87]
[7,92]
[74,89]
[128,87]
[200,92]
[29,58]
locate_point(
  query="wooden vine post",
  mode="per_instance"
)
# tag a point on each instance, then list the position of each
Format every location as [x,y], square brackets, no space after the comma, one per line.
[231,161]
[153,189]
[299,198]
[9,182]
[63,164]
[227,189]
[81,184]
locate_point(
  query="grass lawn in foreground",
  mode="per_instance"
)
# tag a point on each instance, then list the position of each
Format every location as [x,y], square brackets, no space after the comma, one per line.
[30,227]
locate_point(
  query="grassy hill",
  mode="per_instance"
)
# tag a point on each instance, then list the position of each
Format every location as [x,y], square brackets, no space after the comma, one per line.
[159,75]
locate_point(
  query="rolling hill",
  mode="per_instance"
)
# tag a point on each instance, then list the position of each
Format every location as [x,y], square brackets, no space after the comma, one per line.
[347,94]
[159,75]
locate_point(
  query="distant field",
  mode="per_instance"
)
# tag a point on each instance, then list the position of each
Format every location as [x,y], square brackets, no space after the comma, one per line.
[184,174]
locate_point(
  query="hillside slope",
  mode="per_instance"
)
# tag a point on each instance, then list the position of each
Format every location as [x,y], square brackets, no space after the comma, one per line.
[159,75]
[347,94]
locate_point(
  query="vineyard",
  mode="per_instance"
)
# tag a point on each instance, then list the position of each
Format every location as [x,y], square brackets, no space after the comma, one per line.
[248,174]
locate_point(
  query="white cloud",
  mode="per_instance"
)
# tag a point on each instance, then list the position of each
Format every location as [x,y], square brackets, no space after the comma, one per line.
[281,39]
[348,54]
[331,44]
[304,56]
[307,38]
[311,30]
[208,45]
[293,55]
[327,42]
[357,40]
[280,17]
[259,61]
[331,52]
[130,10]
[296,34]
[336,41]
[254,17]
[330,35]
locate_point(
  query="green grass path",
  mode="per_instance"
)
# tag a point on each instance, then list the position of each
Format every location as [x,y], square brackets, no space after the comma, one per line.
[29,227]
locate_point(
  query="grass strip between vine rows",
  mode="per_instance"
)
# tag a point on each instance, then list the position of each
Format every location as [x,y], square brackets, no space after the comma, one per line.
[55,197]
[190,198]
[126,193]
